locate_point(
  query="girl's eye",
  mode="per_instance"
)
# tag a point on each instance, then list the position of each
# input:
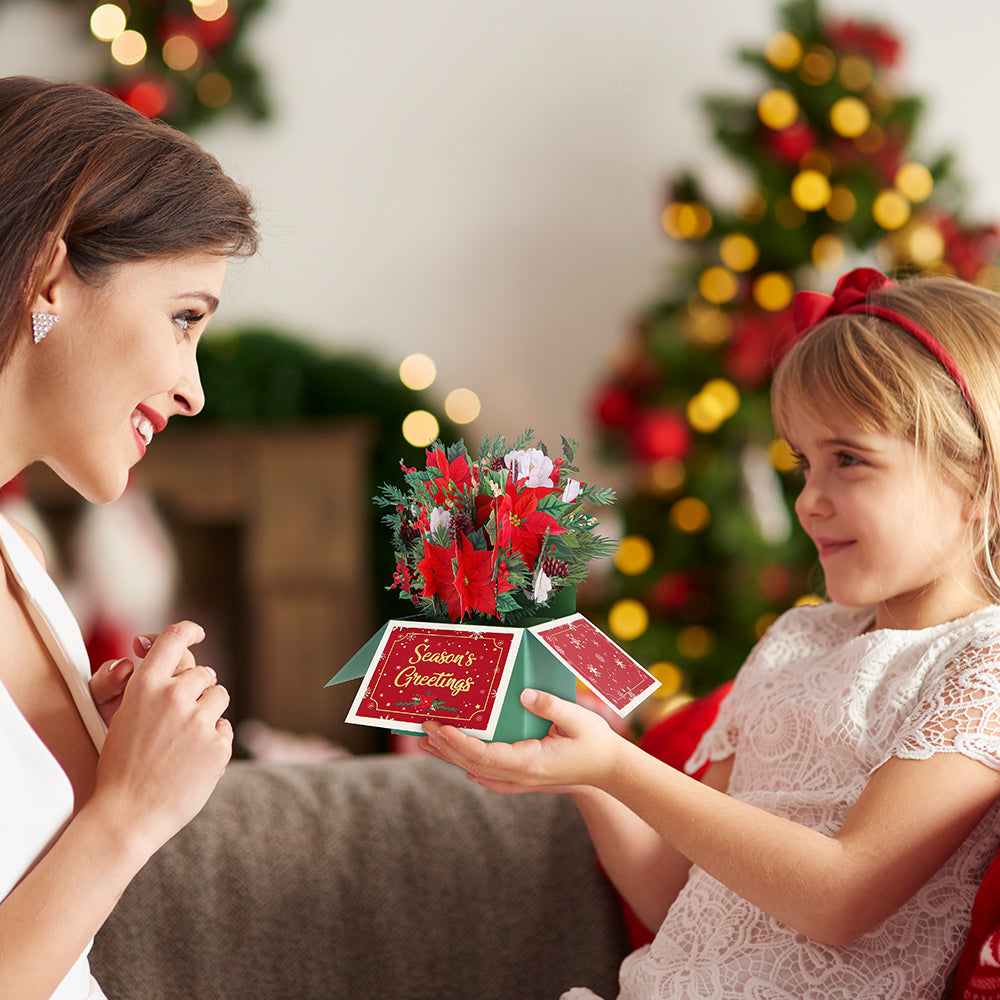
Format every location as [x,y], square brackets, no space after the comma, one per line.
[846,460]
[801,466]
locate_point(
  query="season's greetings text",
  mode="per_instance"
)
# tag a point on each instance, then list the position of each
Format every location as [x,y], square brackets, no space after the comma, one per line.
[423,654]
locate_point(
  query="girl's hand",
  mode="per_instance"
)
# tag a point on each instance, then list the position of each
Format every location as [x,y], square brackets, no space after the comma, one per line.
[167,745]
[107,685]
[580,749]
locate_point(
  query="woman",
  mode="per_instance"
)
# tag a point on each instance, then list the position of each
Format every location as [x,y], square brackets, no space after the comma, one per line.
[114,236]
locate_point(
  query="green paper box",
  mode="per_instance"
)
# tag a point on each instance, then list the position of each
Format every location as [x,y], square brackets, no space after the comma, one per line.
[472,676]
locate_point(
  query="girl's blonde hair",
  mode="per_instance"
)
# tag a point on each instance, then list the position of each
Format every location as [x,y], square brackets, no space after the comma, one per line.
[884,380]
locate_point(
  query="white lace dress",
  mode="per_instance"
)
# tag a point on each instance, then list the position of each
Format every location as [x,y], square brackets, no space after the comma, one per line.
[816,709]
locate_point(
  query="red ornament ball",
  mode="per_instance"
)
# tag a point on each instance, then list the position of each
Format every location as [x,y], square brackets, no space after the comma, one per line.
[614,407]
[792,143]
[660,433]
[149,97]
[671,592]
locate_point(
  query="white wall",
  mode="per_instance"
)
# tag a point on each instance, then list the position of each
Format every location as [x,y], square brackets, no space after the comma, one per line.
[480,180]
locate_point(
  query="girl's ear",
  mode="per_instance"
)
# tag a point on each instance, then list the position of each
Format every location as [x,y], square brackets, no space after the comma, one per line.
[45,300]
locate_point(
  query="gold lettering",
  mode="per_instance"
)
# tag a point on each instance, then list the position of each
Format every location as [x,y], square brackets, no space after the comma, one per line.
[423,654]
[408,677]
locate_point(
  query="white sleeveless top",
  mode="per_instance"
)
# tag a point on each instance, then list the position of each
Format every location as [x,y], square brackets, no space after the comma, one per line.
[35,791]
[819,706]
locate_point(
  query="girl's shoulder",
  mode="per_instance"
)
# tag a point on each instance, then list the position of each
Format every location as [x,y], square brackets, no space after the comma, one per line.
[812,628]
[828,625]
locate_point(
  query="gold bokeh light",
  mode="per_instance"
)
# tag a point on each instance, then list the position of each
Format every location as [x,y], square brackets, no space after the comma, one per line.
[777,108]
[128,47]
[462,406]
[420,428]
[107,22]
[417,371]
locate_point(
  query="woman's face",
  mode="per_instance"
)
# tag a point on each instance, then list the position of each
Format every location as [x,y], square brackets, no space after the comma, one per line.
[118,365]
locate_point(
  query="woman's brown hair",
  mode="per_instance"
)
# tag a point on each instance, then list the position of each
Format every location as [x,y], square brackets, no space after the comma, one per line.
[80,165]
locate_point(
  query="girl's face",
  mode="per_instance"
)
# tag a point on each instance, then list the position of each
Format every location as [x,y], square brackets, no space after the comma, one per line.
[891,529]
[118,365]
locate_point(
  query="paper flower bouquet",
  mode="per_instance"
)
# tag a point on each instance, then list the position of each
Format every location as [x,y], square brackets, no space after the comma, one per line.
[489,553]
[491,539]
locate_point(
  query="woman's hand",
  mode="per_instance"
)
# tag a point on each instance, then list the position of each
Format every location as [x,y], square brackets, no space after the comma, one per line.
[580,749]
[167,744]
[107,685]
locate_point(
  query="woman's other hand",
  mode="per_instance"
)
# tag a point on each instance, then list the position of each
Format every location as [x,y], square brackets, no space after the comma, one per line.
[168,744]
[107,685]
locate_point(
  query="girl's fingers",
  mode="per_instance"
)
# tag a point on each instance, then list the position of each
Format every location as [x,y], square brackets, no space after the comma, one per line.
[565,714]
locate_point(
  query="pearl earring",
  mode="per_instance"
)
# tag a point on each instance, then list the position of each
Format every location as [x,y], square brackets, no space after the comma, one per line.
[41,323]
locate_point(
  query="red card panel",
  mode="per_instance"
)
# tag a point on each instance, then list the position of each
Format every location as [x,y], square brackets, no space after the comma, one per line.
[601,664]
[452,673]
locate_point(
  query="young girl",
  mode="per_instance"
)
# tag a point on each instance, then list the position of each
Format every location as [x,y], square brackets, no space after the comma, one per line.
[114,234]
[850,806]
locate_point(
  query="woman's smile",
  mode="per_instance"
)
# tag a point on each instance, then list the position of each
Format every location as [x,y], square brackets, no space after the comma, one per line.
[146,422]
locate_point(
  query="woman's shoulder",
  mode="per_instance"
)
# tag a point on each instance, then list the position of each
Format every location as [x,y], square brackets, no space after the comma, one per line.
[26,536]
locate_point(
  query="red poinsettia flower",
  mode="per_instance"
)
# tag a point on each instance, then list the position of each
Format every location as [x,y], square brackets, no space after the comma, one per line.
[473,581]
[521,526]
[437,570]
[461,576]
[453,477]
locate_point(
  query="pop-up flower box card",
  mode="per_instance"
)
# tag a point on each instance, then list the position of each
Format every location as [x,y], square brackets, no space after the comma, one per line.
[489,554]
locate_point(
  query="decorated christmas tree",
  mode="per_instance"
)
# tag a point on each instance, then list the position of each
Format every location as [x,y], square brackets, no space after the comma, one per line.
[711,554]
[183,61]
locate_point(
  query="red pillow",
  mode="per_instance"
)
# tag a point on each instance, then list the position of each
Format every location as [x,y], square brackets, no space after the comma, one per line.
[978,974]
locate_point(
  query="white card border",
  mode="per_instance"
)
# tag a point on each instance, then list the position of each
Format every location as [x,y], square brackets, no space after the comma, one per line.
[538,632]
[415,727]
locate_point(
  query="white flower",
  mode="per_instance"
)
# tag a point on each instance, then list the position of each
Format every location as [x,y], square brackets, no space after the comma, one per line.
[572,491]
[440,518]
[531,465]
[542,584]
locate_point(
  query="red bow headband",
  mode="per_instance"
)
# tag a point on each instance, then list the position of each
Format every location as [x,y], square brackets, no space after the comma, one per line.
[850,296]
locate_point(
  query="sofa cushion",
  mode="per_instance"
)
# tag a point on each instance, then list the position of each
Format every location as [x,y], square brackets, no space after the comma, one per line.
[370,877]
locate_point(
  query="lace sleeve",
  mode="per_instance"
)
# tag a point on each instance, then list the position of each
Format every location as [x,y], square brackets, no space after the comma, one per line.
[959,711]
[720,739]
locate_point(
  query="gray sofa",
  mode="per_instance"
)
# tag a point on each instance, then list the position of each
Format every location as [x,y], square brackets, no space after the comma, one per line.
[371,877]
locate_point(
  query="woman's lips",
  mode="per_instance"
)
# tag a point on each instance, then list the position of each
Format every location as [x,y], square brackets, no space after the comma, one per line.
[145,423]
[158,420]
[143,431]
